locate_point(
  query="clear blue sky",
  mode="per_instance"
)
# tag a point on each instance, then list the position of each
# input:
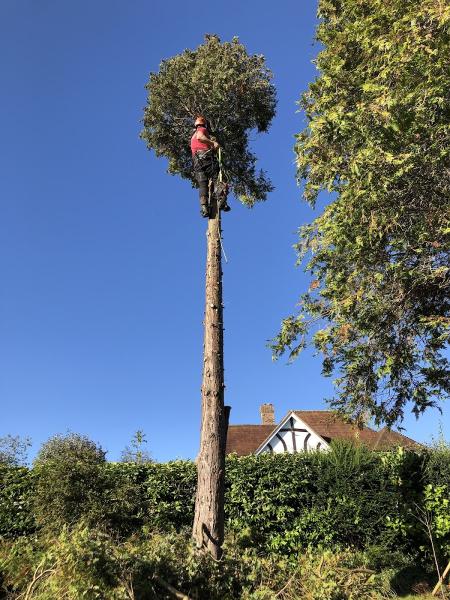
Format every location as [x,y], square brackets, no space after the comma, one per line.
[102,254]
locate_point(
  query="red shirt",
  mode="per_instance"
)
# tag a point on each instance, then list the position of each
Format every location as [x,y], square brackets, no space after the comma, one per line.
[197,144]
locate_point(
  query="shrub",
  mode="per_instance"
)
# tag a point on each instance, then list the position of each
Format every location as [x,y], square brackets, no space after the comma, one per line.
[70,482]
[78,563]
[16,501]
[87,563]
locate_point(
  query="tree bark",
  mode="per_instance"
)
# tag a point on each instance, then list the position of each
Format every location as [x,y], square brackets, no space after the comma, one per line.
[208,528]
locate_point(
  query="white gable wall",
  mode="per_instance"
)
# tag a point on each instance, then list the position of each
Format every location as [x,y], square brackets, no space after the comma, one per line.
[293,435]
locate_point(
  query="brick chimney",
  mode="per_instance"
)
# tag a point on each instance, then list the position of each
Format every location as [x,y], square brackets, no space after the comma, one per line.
[267,414]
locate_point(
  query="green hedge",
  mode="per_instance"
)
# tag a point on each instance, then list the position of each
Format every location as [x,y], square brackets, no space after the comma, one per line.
[16,501]
[281,503]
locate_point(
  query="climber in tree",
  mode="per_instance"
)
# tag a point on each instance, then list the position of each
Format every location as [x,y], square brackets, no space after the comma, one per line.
[205,163]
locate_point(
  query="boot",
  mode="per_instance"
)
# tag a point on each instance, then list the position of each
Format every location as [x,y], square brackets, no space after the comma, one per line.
[223,204]
[221,190]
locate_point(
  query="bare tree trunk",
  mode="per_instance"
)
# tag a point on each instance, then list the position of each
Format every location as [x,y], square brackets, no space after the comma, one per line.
[208,529]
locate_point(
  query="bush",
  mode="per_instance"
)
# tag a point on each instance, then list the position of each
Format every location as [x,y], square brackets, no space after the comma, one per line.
[87,563]
[69,482]
[16,501]
[78,563]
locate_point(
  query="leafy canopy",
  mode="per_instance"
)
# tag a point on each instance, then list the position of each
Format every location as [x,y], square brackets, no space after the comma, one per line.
[14,450]
[232,89]
[377,137]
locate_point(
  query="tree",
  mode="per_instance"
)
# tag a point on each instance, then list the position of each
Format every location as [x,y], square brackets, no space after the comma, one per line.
[135,452]
[233,90]
[14,450]
[377,138]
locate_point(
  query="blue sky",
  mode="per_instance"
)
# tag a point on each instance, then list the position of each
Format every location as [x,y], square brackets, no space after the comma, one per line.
[102,254]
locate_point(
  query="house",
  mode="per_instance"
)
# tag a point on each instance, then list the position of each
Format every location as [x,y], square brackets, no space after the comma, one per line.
[303,430]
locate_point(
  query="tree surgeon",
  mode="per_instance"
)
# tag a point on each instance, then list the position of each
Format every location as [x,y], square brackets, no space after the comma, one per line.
[206,167]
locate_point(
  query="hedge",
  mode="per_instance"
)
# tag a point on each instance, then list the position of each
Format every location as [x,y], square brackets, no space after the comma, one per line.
[16,501]
[278,503]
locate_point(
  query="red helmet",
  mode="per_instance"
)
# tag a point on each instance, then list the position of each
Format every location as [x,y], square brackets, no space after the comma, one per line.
[200,121]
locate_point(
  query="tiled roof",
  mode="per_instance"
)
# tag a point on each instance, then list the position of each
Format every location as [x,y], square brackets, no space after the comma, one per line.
[329,426]
[246,439]
[387,439]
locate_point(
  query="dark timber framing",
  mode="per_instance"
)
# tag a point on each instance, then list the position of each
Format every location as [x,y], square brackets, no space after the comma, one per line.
[293,431]
[305,442]
[282,441]
[288,425]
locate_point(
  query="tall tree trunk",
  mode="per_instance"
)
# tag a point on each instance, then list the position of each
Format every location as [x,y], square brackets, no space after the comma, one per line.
[208,529]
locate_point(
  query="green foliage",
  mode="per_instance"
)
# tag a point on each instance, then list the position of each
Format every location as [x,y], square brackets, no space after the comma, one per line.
[377,137]
[299,526]
[71,447]
[426,521]
[288,502]
[159,496]
[321,576]
[16,501]
[13,450]
[274,504]
[350,457]
[232,89]
[86,563]
[70,481]
[136,452]
[123,498]
[170,493]
[437,465]
[437,505]
[78,563]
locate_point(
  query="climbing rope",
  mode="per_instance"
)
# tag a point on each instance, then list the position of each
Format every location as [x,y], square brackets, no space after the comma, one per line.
[223,249]
[210,191]
[219,158]
[222,171]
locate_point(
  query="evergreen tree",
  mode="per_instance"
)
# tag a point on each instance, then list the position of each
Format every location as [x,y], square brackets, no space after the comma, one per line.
[232,89]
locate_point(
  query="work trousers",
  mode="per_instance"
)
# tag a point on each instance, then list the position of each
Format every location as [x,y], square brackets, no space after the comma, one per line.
[205,168]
